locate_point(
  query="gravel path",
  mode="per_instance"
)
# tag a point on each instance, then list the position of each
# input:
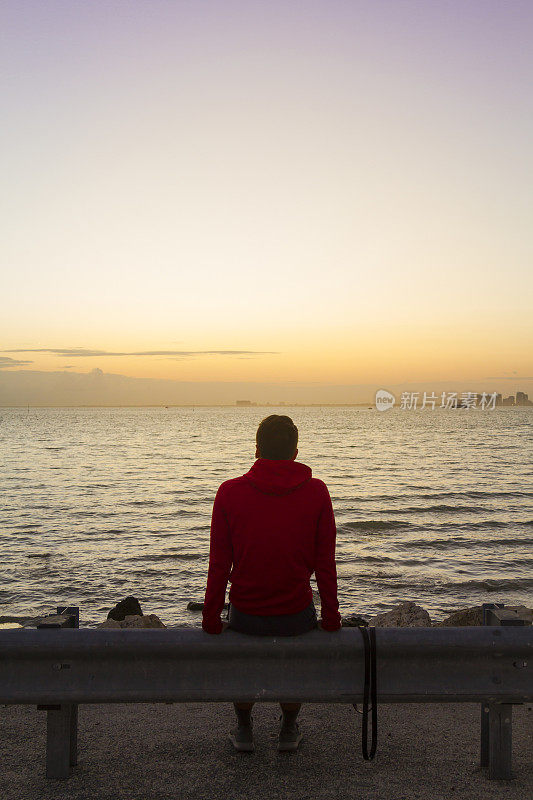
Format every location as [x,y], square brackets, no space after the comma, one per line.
[176,751]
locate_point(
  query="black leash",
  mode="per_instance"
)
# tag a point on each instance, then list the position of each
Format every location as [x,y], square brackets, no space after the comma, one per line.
[369,689]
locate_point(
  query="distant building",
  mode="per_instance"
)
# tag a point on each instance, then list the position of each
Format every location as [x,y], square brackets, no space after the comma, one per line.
[521,399]
[508,401]
[244,403]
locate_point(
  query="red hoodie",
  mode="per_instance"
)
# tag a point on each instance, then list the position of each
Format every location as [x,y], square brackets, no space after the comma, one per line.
[270,530]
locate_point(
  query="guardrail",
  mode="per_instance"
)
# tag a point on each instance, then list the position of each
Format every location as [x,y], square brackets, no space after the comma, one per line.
[59,668]
[496,717]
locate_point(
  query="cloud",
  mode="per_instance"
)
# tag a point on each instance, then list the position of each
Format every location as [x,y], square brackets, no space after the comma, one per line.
[6,362]
[94,388]
[82,352]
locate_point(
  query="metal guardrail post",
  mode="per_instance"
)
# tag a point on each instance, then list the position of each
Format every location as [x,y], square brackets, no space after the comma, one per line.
[61,720]
[59,726]
[497,718]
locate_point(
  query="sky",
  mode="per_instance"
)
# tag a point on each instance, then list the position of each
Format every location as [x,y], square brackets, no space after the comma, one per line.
[315,194]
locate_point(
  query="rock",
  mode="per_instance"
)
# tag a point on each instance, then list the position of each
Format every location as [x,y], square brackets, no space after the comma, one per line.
[19,620]
[110,623]
[144,621]
[128,606]
[134,621]
[354,621]
[474,616]
[404,615]
[465,616]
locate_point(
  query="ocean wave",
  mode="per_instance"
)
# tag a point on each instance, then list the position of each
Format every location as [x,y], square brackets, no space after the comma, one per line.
[370,559]
[47,508]
[375,524]
[485,524]
[471,495]
[391,581]
[28,526]
[461,541]
[435,586]
[183,496]
[442,508]
[482,524]
[408,562]
[181,512]
[167,557]
[492,585]
[107,531]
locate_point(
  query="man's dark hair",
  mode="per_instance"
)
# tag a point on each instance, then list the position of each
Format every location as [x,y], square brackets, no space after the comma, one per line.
[277,437]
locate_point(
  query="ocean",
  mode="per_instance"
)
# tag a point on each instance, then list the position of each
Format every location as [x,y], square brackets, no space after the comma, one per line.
[100,503]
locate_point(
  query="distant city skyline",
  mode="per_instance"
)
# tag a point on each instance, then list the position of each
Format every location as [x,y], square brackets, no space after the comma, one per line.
[22,387]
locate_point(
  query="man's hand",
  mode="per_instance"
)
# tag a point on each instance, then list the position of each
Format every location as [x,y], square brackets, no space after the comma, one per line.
[217,633]
[323,629]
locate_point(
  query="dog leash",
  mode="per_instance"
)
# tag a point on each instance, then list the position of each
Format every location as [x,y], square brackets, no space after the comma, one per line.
[369,690]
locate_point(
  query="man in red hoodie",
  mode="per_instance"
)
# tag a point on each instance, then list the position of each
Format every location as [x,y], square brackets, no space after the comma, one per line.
[271,529]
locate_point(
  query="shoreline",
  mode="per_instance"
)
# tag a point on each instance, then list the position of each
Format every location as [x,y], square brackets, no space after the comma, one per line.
[462,616]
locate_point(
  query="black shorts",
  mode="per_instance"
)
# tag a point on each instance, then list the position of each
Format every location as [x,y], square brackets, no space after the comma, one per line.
[276,625]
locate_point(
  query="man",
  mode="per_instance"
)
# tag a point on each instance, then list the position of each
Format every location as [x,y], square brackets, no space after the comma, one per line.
[270,530]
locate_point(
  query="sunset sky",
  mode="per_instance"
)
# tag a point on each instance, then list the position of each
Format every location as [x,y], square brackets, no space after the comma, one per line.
[318,192]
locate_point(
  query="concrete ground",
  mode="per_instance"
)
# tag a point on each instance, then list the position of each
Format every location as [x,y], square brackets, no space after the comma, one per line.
[179,751]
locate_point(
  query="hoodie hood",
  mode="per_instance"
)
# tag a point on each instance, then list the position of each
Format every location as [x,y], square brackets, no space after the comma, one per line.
[273,476]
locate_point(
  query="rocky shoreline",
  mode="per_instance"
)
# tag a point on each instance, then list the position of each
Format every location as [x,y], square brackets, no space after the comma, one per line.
[406,614]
